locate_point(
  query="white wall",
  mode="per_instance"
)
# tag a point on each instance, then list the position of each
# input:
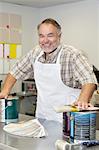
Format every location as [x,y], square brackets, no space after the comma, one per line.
[97,57]
[79,25]
[30,17]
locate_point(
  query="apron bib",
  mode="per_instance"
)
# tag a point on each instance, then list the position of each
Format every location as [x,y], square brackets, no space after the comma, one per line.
[51,91]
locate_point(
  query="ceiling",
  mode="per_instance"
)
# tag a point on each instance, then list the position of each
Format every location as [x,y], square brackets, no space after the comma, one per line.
[39,3]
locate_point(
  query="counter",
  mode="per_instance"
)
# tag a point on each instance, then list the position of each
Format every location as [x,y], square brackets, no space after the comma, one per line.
[53,128]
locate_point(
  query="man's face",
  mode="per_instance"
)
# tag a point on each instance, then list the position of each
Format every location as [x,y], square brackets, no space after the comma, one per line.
[49,37]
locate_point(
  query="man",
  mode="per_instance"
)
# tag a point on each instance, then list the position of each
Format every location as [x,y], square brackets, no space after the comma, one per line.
[62,74]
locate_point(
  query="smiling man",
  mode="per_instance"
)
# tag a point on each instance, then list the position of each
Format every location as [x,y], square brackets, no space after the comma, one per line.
[62,73]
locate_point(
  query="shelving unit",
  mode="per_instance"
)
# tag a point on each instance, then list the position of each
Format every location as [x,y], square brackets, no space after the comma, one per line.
[28,97]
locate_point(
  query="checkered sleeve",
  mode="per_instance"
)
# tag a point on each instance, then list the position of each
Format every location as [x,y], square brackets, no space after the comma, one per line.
[23,68]
[83,70]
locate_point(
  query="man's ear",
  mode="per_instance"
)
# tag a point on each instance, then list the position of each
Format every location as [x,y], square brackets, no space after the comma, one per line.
[60,35]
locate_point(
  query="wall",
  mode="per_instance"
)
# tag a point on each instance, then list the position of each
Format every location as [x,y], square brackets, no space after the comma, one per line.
[30,17]
[29,22]
[97,57]
[79,25]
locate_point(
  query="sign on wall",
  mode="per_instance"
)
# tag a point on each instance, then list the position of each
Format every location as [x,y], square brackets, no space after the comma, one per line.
[10,28]
[10,40]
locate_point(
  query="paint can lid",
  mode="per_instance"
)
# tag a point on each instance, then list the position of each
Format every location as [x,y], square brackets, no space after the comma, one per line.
[85,113]
[12,97]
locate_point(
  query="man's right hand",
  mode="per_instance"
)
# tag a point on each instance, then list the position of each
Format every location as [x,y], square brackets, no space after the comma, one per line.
[8,84]
[3,95]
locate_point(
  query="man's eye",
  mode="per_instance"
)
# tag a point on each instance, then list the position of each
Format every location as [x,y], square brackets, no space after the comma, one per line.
[50,35]
[41,36]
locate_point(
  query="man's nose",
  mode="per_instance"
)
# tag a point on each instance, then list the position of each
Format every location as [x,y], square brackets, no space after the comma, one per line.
[46,39]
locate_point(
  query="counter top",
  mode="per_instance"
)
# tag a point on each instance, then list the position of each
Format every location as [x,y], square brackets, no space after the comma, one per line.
[53,128]
[26,94]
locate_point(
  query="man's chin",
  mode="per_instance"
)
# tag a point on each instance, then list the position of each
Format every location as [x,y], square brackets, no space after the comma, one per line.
[47,50]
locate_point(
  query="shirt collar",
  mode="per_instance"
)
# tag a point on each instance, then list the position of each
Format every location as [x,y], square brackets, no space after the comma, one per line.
[52,57]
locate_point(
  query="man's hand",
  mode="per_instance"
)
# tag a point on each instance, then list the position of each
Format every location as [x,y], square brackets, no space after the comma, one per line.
[85,96]
[8,84]
[82,104]
[3,95]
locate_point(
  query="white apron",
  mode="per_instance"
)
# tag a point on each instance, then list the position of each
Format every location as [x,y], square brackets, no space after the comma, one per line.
[51,90]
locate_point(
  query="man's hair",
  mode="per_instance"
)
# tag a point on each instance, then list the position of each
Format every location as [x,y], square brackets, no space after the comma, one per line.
[50,21]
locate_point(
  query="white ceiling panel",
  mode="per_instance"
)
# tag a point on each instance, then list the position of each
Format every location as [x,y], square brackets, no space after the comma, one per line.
[39,3]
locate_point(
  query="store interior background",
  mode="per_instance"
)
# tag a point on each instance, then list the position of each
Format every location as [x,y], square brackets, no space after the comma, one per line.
[79,21]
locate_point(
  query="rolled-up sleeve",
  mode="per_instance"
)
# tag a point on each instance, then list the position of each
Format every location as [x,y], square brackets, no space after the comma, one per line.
[83,71]
[23,68]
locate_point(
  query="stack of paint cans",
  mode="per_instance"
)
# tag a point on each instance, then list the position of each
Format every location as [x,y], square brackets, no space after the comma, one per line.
[80,126]
[9,109]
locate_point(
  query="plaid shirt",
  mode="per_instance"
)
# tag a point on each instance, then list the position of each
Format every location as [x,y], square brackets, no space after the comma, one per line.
[75,69]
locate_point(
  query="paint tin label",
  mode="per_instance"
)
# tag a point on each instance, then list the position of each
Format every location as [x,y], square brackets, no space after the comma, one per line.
[66,125]
[92,126]
[2,110]
[72,128]
[10,109]
[82,126]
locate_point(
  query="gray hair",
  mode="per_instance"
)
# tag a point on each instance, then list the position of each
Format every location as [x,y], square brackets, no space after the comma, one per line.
[51,21]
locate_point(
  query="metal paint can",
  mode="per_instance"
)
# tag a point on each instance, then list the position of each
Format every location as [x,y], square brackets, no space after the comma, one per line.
[79,126]
[83,126]
[9,111]
[66,126]
[2,110]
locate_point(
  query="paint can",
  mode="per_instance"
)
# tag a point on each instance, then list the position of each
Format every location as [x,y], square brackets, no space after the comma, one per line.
[9,109]
[66,126]
[82,126]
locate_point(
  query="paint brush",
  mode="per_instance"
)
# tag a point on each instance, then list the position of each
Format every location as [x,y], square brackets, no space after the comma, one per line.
[70,108]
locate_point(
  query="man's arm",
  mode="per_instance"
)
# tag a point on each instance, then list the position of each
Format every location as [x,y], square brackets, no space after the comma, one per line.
[8,84]
[85,95]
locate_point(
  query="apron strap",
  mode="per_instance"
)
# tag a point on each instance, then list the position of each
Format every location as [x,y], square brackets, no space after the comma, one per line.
[40,54]
[58,58]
